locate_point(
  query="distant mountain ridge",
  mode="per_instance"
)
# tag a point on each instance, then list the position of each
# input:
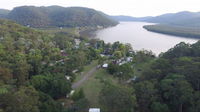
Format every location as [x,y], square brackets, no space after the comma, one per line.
[184,18]
[130,18]
[56,16]
[4,13]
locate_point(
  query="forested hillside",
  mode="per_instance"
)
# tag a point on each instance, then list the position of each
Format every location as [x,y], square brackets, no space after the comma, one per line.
[37,69]
[172,83]
[185,18]
[56,16]
[191,32]
[186,24]
[4,13]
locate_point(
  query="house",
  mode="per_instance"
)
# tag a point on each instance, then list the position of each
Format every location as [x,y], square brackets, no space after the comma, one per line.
[68,77]
[123,62]
[60,61]
[70,94]
[77,41]
[131,79]
[63,53]
[102,55]
[74,71]
[129,59]
[105,65]
[87,44]
[94,110]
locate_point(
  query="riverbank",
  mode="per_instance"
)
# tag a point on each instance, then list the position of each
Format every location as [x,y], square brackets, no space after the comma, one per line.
[174,30]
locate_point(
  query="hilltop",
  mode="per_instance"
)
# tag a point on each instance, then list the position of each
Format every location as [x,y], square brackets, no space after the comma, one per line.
[56,16]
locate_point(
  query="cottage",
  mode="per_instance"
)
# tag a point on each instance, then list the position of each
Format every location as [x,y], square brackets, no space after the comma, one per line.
[102,55]
[67,77]
[74,71]
[70,94]
[129,59]
[105,65]
[77,41]
[94,110]
[63,53]
[87,44]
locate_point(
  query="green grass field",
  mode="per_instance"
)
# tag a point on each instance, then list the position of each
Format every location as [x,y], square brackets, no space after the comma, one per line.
[93,86]
[95,83]
[85,70]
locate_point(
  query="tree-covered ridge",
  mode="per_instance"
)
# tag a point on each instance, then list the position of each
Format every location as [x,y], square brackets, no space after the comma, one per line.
[185,24]
[172,83]
[3,13]
[56,16]
[191,32]
[37,69]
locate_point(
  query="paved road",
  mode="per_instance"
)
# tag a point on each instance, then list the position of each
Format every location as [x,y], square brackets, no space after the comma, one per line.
[85,78]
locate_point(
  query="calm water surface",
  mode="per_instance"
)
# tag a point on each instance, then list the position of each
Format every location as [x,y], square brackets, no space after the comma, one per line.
[139,38]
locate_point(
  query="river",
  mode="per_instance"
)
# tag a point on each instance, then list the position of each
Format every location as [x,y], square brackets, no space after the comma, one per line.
[139,38]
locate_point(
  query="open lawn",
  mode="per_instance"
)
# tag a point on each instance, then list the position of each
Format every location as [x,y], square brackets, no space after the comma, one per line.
[71,31]
[86,69]
[94,84]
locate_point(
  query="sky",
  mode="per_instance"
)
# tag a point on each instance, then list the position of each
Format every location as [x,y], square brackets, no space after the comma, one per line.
[136,8]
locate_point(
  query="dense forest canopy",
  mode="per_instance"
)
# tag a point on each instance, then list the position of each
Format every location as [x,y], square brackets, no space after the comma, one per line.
[191,32]
[34,66]
[37,70]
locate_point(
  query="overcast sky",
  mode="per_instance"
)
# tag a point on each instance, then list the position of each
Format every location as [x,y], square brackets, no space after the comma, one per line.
[137,8]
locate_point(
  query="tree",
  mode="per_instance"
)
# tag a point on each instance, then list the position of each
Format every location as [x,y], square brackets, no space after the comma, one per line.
[21,69]
[158,107]
[47,104]
[177,91]
[117,99]
[35,59]
[54,85]
[125,71]
[118,54]
[112,68]
[24,100]
[146,94]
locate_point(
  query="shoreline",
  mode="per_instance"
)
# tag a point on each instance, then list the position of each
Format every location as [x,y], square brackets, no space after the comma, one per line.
[171,33]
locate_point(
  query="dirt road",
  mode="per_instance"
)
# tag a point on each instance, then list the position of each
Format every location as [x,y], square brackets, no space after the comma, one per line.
[85,78]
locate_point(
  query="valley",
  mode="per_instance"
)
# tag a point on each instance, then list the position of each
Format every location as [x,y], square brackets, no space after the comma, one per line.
[74,59]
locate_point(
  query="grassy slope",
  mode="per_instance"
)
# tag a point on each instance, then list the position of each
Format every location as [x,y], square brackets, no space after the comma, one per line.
[175,30]
[93,86]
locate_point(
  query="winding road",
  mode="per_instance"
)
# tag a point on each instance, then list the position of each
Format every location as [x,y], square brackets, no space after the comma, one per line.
[85,78]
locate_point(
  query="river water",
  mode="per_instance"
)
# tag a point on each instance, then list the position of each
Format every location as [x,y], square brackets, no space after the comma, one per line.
[139,38]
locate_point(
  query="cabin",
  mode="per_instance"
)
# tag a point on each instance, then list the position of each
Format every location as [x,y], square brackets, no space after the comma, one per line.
[75,71]
[63,53]
[77,41]
[129,59]
[94,110]
[105,65]
[70,94]
[68,77]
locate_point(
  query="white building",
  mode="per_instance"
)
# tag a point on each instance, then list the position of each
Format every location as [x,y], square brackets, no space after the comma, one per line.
[105,65]
[94,110]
